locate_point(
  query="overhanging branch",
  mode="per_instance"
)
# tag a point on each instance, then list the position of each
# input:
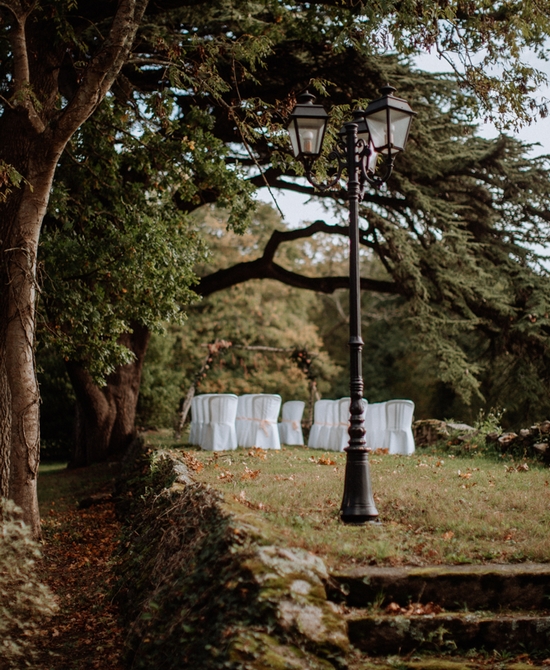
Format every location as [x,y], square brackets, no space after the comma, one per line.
[265,267]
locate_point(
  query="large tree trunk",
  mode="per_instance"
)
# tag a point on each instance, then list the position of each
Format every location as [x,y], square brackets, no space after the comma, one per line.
[19,343]
[105,416]
[21,230]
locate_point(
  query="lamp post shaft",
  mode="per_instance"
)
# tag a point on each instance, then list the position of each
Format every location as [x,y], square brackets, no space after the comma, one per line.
[381,129]
[358,503]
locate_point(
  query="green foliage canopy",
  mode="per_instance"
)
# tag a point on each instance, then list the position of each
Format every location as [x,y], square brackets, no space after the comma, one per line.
[209,94]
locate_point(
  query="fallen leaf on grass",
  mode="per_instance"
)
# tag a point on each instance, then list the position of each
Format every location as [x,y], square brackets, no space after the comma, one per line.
[249,474]
[325,460]
[448,535]
[523,467]
[192,462]
[244,501]
[517,468]
[225,475]
[257,452]
[282,478]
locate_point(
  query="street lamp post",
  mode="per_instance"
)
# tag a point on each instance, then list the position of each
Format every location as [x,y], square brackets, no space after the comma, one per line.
[367,147]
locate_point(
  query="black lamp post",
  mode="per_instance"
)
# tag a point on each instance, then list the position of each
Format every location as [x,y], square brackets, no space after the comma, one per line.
[367,147]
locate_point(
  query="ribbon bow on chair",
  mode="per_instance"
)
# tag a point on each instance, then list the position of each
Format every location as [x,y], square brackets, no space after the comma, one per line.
[264,423]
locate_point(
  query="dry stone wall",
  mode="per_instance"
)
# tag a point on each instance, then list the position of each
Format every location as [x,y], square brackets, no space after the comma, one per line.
[200,587]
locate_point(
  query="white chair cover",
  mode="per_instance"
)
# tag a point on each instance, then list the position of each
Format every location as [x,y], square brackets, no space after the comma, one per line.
[320,417]
[203,416]
[329,425]
[339,436]
[220,434]
[265,413]
[196,420]
[376,426]
[245,437]
[399,436]
[290,428]
[243,418]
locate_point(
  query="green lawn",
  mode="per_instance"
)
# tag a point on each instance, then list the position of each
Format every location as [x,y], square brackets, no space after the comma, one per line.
[434,508]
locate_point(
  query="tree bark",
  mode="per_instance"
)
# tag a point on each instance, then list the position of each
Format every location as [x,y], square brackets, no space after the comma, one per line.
[5,431]
[20,265]
[105,416]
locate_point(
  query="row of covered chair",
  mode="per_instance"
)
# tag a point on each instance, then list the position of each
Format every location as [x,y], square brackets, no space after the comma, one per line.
[388,425]
[223,421]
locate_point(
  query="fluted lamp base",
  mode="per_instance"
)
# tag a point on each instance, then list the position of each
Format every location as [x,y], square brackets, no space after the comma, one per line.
[358,506]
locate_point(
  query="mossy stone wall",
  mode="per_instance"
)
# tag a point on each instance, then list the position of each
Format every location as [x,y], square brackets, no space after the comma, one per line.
[199,587]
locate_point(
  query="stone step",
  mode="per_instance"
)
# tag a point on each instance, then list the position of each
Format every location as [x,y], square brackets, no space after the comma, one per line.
[524,586]
[385,634]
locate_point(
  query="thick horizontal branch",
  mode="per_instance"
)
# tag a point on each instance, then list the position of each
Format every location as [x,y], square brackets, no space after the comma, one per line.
[265,268]
[258,269]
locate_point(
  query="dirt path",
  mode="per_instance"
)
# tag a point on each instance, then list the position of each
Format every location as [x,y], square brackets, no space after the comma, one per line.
[77,550]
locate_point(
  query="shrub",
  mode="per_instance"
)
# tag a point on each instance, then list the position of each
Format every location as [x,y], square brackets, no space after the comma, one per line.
[24,601]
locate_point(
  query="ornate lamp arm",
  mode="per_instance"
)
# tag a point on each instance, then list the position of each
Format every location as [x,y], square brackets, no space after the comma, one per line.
[335,155]
[371,178]
[357,161]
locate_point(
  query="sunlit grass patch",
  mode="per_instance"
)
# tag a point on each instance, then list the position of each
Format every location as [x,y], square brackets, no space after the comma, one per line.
[433,508]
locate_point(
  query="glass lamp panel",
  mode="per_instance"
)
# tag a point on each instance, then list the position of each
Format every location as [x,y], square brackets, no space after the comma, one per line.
[310,133]
[398,126]
[292,131]
[363,131]
[400,122]
[373,159]
[378,128]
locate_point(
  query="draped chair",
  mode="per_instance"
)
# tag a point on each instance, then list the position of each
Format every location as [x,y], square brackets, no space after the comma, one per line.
[290,428]
[376,426]
[243,420]
[200,416]
[322,413]
[399,436]
[196,421]
[265,414]
[339,436]
[220,434]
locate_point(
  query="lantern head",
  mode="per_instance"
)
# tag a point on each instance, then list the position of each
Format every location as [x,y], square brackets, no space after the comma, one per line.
[307,126]
[389,120]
